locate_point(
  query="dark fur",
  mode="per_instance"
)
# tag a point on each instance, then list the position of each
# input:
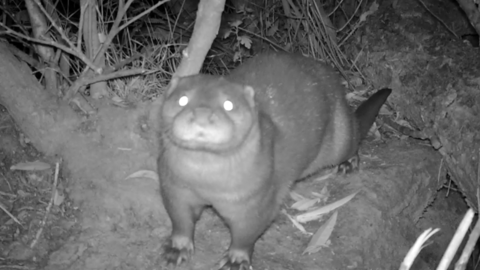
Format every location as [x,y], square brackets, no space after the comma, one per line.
[300,124]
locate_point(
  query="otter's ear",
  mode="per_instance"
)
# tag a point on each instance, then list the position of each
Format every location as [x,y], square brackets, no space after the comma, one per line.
[250,95]
[172,85]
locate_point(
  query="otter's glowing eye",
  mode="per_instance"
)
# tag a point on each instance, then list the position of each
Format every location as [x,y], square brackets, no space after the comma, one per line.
[183,101]
[228,105]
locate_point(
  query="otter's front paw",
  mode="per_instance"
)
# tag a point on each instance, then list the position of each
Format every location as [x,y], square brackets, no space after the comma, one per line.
[236,260]
[349,165]
[178,251]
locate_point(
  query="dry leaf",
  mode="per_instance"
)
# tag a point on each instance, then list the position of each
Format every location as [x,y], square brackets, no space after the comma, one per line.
[324,177]
[273,29]
[323,195]
[295,223]
[102,37]
[312,215]
[245,41]
[58,198]
[30,166]
[117,99]
[144,173]
[373,9]
[22,193]
[305,204]
[296,196]
[321,237]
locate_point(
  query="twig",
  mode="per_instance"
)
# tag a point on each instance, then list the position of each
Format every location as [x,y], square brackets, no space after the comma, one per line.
[6,181]
[449,187]
[54,24]
[114,30]
[351,17]
[125,62]
[264,39]
[87,80]
[440,170]
[141,15]
[352,31]
[65,38]
[435,16]
[122,9]
[335,9]
[80,26]
[47,211]
[50,43]
[25,57]
[116,25]
[9,214]
[7,194]
[14,19]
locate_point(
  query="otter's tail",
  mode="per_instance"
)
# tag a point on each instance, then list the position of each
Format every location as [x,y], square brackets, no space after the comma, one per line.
[368,110]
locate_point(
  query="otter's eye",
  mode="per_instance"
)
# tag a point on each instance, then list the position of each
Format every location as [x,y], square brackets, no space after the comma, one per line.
[183,101]
[228,105]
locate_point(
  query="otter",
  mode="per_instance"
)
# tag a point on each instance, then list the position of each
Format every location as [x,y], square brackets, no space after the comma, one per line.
[239,142]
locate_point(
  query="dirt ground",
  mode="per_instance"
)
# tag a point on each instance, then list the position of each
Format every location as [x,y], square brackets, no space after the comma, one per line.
[26,195]
[136,242]
[373,231]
